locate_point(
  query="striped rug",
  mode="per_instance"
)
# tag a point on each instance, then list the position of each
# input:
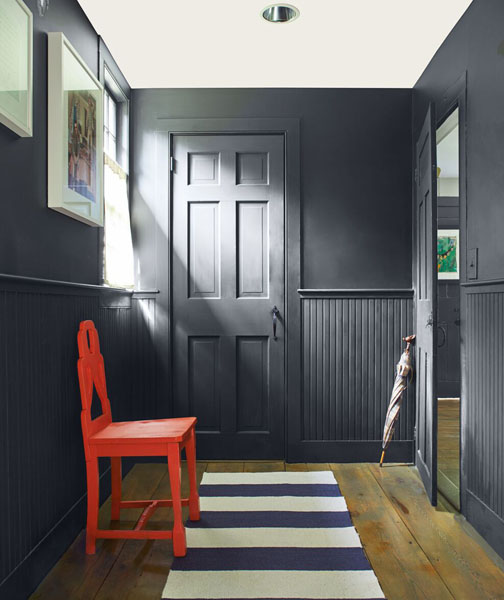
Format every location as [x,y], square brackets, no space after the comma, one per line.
[272,535]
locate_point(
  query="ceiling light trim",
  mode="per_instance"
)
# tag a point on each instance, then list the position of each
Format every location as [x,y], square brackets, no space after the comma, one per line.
[274,12]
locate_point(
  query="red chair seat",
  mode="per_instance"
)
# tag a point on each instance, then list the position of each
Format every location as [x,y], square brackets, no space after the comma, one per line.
[144,432]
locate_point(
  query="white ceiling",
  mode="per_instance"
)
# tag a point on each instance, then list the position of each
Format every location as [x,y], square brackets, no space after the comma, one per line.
[226,43]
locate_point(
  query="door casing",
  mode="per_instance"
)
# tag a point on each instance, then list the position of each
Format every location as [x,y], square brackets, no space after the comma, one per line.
[290,129]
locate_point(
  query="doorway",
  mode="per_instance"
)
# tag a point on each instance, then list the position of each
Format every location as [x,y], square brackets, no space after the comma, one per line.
[228,291]
[448,311]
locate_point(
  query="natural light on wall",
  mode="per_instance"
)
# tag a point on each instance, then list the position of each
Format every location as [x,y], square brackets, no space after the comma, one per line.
[118,250]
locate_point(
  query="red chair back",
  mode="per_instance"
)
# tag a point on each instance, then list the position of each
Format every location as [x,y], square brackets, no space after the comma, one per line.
[91,370]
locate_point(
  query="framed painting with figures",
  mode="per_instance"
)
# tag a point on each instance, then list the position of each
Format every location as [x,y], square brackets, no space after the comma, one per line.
[75,135]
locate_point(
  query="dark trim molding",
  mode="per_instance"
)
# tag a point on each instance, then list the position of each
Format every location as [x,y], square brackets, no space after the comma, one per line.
[145,293]
[350,451]
[485,521]
[109,297]
[355,293]
[481,283]
[37,281]
[21,582]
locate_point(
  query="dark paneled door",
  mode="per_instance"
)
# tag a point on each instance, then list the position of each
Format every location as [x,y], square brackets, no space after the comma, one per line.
[426,306]
[228,281]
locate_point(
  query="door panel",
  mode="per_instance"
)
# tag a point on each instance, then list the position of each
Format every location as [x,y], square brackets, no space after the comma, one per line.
[252,377]
[203,249]
[227,275]
[426,306]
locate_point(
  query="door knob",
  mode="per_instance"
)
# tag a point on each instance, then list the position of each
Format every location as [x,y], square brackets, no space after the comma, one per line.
[275,312]
[430,321]
[443,331]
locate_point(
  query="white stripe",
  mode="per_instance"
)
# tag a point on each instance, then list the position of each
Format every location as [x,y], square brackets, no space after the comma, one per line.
[280,537]
[269,503]
[272,584]
[273,477]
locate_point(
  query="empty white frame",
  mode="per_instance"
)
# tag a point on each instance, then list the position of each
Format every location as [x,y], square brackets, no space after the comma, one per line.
[16,67]
[75,135]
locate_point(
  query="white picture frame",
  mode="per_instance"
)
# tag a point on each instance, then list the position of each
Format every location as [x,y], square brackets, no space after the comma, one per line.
[75,134]
[454,236]
[16,67]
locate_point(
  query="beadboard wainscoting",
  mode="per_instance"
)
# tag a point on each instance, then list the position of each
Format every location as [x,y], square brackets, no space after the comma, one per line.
[482,411]
[42,469]
[351,341]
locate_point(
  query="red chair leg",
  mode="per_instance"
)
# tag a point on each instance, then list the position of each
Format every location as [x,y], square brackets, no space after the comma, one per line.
[116,476]
[194,504]
[93,498]
[179,536]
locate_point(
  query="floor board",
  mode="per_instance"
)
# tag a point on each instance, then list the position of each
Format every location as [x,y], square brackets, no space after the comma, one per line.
[417,551]
[449,449]
[461,562]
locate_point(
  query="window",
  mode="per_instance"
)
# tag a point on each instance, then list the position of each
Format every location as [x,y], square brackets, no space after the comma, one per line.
[118,246]
[110,126]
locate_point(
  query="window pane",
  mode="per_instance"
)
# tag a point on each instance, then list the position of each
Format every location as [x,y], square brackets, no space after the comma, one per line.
[112,147]
[106,111]
[112,125]
[118,243]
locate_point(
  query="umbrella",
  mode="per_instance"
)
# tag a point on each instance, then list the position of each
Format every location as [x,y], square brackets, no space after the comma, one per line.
[403,369]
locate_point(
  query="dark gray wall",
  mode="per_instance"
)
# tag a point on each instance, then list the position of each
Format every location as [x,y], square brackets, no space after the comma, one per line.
[476,46]
[355,175]
[356,233]
[35,241]
[42,468]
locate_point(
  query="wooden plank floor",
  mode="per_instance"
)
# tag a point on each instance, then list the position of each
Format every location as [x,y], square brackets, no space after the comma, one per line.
[449,449]
[417,551]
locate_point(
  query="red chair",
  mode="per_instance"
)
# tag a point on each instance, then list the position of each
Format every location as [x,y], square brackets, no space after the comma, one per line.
[102,437]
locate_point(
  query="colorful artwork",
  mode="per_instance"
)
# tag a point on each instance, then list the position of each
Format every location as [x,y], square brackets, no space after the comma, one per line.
[82,144]
[448,254]
[74,134]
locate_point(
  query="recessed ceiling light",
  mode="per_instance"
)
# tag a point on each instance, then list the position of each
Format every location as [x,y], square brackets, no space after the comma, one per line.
[280,13]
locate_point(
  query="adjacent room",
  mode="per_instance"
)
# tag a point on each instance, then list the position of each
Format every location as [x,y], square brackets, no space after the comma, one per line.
[251,300]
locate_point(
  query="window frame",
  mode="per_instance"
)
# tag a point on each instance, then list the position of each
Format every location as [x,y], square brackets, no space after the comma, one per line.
[113,80]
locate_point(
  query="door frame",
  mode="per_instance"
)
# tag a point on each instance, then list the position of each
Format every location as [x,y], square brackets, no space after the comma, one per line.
[289,128]
[456,97]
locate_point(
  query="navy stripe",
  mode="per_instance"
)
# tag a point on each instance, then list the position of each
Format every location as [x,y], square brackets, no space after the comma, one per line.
[272,559]
[274,489]
[271,519]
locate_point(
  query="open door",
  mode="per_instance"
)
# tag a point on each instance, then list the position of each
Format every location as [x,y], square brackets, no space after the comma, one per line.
[426,305]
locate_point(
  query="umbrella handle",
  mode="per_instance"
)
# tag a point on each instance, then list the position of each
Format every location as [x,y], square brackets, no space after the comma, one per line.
[409,340]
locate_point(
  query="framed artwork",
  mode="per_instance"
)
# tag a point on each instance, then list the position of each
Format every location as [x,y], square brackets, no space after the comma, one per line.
[75,135]
[16,67]
[448,254]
